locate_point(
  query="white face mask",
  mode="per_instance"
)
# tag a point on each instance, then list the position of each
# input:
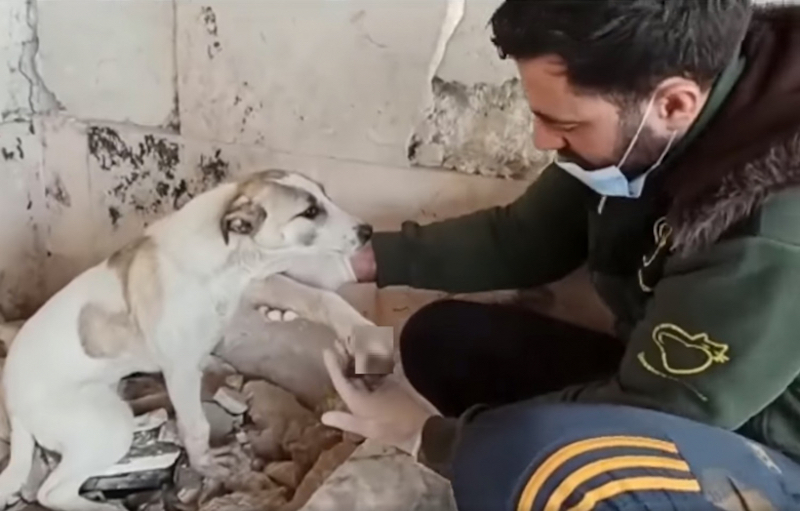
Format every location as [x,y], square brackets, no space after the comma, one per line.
[610,181]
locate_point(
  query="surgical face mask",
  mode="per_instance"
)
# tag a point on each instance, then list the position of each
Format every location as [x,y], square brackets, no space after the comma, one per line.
[610,181]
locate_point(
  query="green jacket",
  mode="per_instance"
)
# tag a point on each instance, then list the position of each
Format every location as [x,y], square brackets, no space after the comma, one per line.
[702,272]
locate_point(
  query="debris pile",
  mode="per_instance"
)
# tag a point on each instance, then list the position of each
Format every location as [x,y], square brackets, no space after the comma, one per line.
[277,450]
[280,456]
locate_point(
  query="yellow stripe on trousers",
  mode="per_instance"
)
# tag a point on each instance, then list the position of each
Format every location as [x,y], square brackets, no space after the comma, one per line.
[631,484]
[592,470]
[570,451]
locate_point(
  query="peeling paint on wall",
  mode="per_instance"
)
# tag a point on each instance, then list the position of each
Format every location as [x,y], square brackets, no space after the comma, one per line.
[479,129]
[144,174]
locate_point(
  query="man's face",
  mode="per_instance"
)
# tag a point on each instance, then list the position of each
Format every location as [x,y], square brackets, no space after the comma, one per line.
[586,129]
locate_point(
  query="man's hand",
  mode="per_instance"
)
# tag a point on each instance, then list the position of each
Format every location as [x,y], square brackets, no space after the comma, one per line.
[363,264]
[389,414]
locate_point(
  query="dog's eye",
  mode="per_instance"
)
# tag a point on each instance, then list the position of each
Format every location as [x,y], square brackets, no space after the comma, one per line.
[311,213]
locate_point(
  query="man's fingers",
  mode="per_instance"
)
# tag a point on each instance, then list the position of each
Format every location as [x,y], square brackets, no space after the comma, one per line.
[349,394]
[345,422]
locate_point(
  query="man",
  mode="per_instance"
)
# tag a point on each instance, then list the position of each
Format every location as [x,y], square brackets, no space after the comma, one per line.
[677,130]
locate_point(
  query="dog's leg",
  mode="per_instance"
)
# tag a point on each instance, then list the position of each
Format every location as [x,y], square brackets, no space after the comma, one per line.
[96,435]
[316,305]
[184,385]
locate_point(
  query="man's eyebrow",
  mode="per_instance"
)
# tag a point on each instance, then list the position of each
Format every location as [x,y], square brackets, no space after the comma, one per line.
[552,120]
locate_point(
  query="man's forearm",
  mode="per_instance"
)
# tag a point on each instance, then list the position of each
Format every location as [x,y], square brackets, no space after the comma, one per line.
[506,247]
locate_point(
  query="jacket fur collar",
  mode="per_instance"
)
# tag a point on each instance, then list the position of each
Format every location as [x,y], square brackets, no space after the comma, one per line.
[751,149]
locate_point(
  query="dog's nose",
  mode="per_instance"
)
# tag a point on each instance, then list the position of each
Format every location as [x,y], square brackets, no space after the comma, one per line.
[364,232]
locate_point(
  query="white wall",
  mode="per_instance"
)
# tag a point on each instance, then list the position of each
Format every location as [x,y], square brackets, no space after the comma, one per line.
[113,112]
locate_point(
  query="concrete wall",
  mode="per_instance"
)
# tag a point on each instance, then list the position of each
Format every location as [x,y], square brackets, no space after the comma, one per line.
[114,112]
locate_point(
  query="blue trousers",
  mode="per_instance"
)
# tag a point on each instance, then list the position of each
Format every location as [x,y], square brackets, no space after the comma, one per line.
[582,457]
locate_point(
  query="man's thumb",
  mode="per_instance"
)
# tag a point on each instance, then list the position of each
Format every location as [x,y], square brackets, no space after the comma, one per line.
[345,421]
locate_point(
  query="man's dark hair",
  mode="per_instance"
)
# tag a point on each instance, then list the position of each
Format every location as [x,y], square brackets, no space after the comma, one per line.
[624,48]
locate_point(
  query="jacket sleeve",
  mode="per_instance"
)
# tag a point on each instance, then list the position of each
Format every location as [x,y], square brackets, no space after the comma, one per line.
[718,343]
[719,340]
[537,239]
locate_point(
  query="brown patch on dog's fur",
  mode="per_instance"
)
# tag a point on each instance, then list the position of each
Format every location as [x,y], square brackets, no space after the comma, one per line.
[109,334]
[105,334]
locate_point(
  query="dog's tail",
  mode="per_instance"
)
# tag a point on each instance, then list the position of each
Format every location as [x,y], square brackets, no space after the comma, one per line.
[19,465]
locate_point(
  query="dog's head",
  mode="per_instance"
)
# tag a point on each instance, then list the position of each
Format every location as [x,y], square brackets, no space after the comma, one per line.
[280,210]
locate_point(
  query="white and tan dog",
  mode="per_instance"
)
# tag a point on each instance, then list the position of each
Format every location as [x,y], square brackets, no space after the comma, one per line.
[160,305]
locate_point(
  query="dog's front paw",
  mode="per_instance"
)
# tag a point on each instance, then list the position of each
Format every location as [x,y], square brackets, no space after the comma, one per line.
[217,464]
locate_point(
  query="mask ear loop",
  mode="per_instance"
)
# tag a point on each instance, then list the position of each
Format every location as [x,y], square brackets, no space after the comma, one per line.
[638,131]
[650,103]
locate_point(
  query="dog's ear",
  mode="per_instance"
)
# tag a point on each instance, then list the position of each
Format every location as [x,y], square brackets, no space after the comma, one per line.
[242,216]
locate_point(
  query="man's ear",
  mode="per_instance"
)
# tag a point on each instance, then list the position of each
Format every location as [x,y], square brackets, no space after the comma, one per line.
[242,216]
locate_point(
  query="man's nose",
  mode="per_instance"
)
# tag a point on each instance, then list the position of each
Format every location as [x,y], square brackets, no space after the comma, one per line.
[364,232]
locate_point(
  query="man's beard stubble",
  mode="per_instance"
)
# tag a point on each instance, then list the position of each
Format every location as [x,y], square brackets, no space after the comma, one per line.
[643,155]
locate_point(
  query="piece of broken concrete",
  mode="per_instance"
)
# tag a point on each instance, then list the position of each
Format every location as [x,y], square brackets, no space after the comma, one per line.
[265,500]
[286,353]
[231,400]
[222,424]
[327,462]
[285,473]
[149,463]
[377,478]
[272,407]
[306,445]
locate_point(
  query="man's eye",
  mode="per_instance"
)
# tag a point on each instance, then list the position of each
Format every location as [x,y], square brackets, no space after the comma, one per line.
[311,213]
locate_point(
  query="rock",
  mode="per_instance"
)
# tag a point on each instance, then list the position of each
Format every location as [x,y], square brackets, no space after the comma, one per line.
[270,406]
[287,353]
[266,500]
[265,444]
[147,404]
[290,316]
[285,473]
[274,410]
[135,387]
[145,394]
[327,462]
[305,446]
[235,381]
[222,423]
[231,400]
[377,478]
[250,481]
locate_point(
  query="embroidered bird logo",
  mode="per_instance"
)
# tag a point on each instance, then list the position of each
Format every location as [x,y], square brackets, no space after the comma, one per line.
[686,354]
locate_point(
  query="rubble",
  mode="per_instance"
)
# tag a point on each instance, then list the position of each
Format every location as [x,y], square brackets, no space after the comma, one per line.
[283,457]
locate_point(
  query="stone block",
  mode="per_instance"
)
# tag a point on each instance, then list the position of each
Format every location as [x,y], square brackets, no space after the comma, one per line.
[375,478]
[110,60]
[341,79]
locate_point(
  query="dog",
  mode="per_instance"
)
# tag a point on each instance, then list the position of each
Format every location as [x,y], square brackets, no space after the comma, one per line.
[159,305]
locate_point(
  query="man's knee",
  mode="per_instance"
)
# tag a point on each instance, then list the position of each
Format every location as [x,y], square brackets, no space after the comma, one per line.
[565,456]
[422,338]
